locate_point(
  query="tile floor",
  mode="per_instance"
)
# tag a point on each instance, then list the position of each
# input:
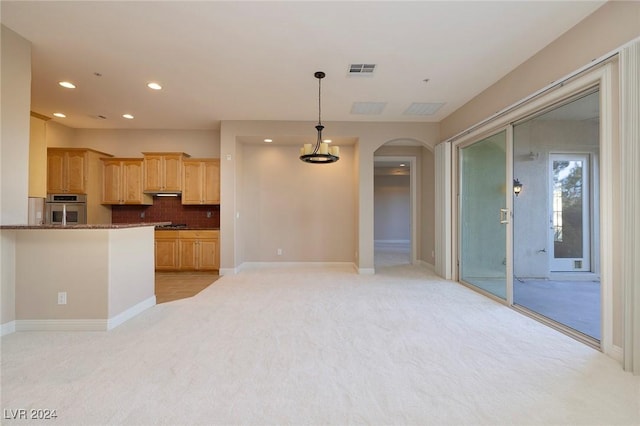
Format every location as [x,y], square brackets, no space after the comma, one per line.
[180,285]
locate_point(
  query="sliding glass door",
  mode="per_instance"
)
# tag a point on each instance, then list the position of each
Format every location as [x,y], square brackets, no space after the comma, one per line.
[556,233]
[484,215]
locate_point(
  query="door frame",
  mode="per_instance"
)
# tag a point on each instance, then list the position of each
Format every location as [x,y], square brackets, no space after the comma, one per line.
[587,213]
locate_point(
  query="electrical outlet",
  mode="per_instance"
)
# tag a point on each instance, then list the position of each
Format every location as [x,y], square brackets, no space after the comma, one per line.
[62,298]
[208,214]
[142,215]
[279,252]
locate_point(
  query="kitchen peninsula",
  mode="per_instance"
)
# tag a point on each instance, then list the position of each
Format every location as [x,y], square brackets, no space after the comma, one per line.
[80,277]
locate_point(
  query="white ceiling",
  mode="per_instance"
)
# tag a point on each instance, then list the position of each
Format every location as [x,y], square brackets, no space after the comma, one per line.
[255,60]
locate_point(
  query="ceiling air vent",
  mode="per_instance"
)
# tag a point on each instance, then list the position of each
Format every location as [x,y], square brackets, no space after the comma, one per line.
[362,69]
[418,108]
[368,108]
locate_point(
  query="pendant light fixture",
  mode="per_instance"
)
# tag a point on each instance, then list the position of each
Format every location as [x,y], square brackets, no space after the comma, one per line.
[321,153]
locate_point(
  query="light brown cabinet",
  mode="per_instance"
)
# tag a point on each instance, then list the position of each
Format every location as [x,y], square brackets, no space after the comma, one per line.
[201,181]
[68,169]
[122,181]
[163,171]
[166,250]
[188,250]
[78,171]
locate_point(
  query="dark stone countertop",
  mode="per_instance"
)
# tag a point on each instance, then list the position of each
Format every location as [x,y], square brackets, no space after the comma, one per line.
[87,226]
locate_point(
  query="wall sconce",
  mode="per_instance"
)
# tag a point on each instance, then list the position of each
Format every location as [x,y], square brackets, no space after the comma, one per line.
[517,187]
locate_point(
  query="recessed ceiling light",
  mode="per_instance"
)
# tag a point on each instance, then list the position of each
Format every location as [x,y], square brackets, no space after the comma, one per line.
[67,84]
[59,114]
[268,140]
[402,165]
[154,86]
[326,140]
[127,116]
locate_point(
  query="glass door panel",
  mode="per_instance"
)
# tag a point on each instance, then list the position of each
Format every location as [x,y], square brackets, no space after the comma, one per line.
[569,213]
[483,215]
[555,216]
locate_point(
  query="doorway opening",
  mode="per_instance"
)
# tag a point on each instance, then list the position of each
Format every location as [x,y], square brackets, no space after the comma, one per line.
[394,211]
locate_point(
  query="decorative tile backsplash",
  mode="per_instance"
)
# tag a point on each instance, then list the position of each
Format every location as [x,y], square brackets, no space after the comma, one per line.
[168,209]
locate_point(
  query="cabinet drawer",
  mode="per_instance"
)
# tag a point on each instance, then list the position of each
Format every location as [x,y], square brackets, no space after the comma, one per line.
[166,235]
[209,234]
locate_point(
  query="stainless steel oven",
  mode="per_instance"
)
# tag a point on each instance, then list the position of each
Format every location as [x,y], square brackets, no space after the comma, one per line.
[66,209]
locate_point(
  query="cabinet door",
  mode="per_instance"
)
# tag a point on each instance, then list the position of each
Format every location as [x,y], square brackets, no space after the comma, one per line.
[188,254]
[132,182]
[152,172]
[211,182]
[208,254]
[76,176]
[55,171]
[167,254]
[192,188]
[172,172]
[111,182]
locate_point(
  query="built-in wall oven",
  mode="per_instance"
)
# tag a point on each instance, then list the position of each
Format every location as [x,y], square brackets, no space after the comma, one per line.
[66,209]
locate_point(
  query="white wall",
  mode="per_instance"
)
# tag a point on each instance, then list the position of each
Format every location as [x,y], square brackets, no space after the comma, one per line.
[307,210]
[131,142]
[73,261]
[14,156]
[131,268]
[392,208]
[14,136]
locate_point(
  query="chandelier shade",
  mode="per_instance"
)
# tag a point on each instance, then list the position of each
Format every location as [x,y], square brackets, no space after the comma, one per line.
[321,153]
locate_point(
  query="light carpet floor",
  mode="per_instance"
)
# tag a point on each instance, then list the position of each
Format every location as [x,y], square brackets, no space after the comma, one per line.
[308,346]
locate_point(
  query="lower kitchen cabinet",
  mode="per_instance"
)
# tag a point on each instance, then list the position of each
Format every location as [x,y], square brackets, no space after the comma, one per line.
[194,250]
[166,243]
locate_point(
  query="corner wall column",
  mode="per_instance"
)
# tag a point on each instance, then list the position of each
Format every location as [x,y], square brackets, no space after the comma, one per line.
[629,177]
[443,210]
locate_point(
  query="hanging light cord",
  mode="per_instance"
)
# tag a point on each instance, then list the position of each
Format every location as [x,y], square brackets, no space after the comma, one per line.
[319,100]
[319,127]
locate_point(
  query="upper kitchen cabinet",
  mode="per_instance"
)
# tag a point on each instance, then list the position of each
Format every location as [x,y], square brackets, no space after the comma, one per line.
[163,171]
[73,170]
[38,156]
[122,181]
[201,181]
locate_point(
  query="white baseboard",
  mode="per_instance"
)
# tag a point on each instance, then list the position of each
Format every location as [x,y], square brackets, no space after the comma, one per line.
[131,312]
[366,271]
[8,328]
[227,271]
[84,324]
[250,266]
[62,325]
[404,242]
[616,353]
[426,265]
